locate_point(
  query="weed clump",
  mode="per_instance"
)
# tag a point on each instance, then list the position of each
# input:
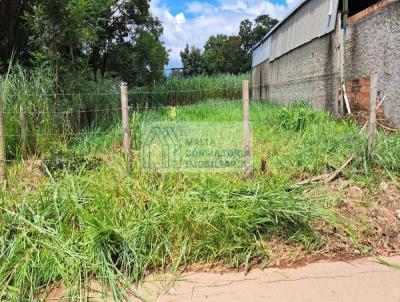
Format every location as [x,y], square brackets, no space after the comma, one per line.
[299,115]
[78,229]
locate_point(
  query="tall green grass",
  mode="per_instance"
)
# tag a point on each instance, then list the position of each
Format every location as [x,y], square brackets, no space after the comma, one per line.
[189,90]
[94,217]
[52,119]
[112,228]
[113,223]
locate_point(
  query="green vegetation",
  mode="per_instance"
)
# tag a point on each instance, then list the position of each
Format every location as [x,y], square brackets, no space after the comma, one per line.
[388,263]
[83,41]
[227,54]
[89,41]
[190,90]
[97,218]
[50,117]
[74,211]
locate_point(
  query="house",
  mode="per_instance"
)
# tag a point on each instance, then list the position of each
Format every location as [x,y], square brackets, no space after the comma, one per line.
[323,44]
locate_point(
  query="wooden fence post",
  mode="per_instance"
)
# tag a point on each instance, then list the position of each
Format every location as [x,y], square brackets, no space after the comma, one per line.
[125,120]
[79,119]
[372,112]
[23,131]
[3,166]
[95,115]
[246,129]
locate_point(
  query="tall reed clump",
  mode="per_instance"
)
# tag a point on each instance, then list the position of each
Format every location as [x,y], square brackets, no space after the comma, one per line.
[50,117]
[20,88]
[189,90]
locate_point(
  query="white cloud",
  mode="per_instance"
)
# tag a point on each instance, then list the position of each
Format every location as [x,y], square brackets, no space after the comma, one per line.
[237,6]
[206,20]
[180,18]
[197,7]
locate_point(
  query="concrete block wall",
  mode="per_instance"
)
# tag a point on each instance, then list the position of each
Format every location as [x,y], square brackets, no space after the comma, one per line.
[309,72]
[312,72]
[373,45]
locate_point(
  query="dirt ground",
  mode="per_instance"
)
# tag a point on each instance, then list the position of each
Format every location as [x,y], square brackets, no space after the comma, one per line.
[373,213]
[360,280]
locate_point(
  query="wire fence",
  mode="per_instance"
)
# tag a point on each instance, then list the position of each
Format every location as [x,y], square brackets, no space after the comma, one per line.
[118,109]
[231,89]
[33,129]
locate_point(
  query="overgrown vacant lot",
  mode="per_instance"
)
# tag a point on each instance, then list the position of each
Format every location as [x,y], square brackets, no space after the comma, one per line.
[95,218]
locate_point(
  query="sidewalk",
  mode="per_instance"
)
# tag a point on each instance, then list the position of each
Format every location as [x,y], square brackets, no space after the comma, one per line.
[362,280]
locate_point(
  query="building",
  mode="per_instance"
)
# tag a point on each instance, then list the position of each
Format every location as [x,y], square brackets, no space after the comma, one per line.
[324,43]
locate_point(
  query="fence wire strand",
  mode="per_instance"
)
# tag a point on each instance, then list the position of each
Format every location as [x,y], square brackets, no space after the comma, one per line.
[77,94]
[151,107]
[79,108]
[56,160]
[63,112]
[62,134]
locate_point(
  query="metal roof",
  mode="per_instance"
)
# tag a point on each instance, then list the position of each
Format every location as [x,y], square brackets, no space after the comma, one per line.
[314,19]
[280,22]
[262,52]
[310,19]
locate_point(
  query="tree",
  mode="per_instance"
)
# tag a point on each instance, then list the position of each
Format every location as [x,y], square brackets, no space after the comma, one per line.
[60,29]
[250,35]
[246,35]
[224,54]
[263,25]
[227,54]
[13,33]
[124,24]
[118,38]
[192,61]
[149,59]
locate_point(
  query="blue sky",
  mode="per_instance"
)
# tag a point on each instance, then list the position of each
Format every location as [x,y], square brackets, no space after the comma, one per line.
[177,6]
[192,21]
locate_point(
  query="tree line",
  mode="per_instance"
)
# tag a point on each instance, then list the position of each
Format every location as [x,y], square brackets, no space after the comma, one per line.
[227,54]
[83,39]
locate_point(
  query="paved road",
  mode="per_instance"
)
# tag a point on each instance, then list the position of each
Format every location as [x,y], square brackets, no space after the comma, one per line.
[362,280]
